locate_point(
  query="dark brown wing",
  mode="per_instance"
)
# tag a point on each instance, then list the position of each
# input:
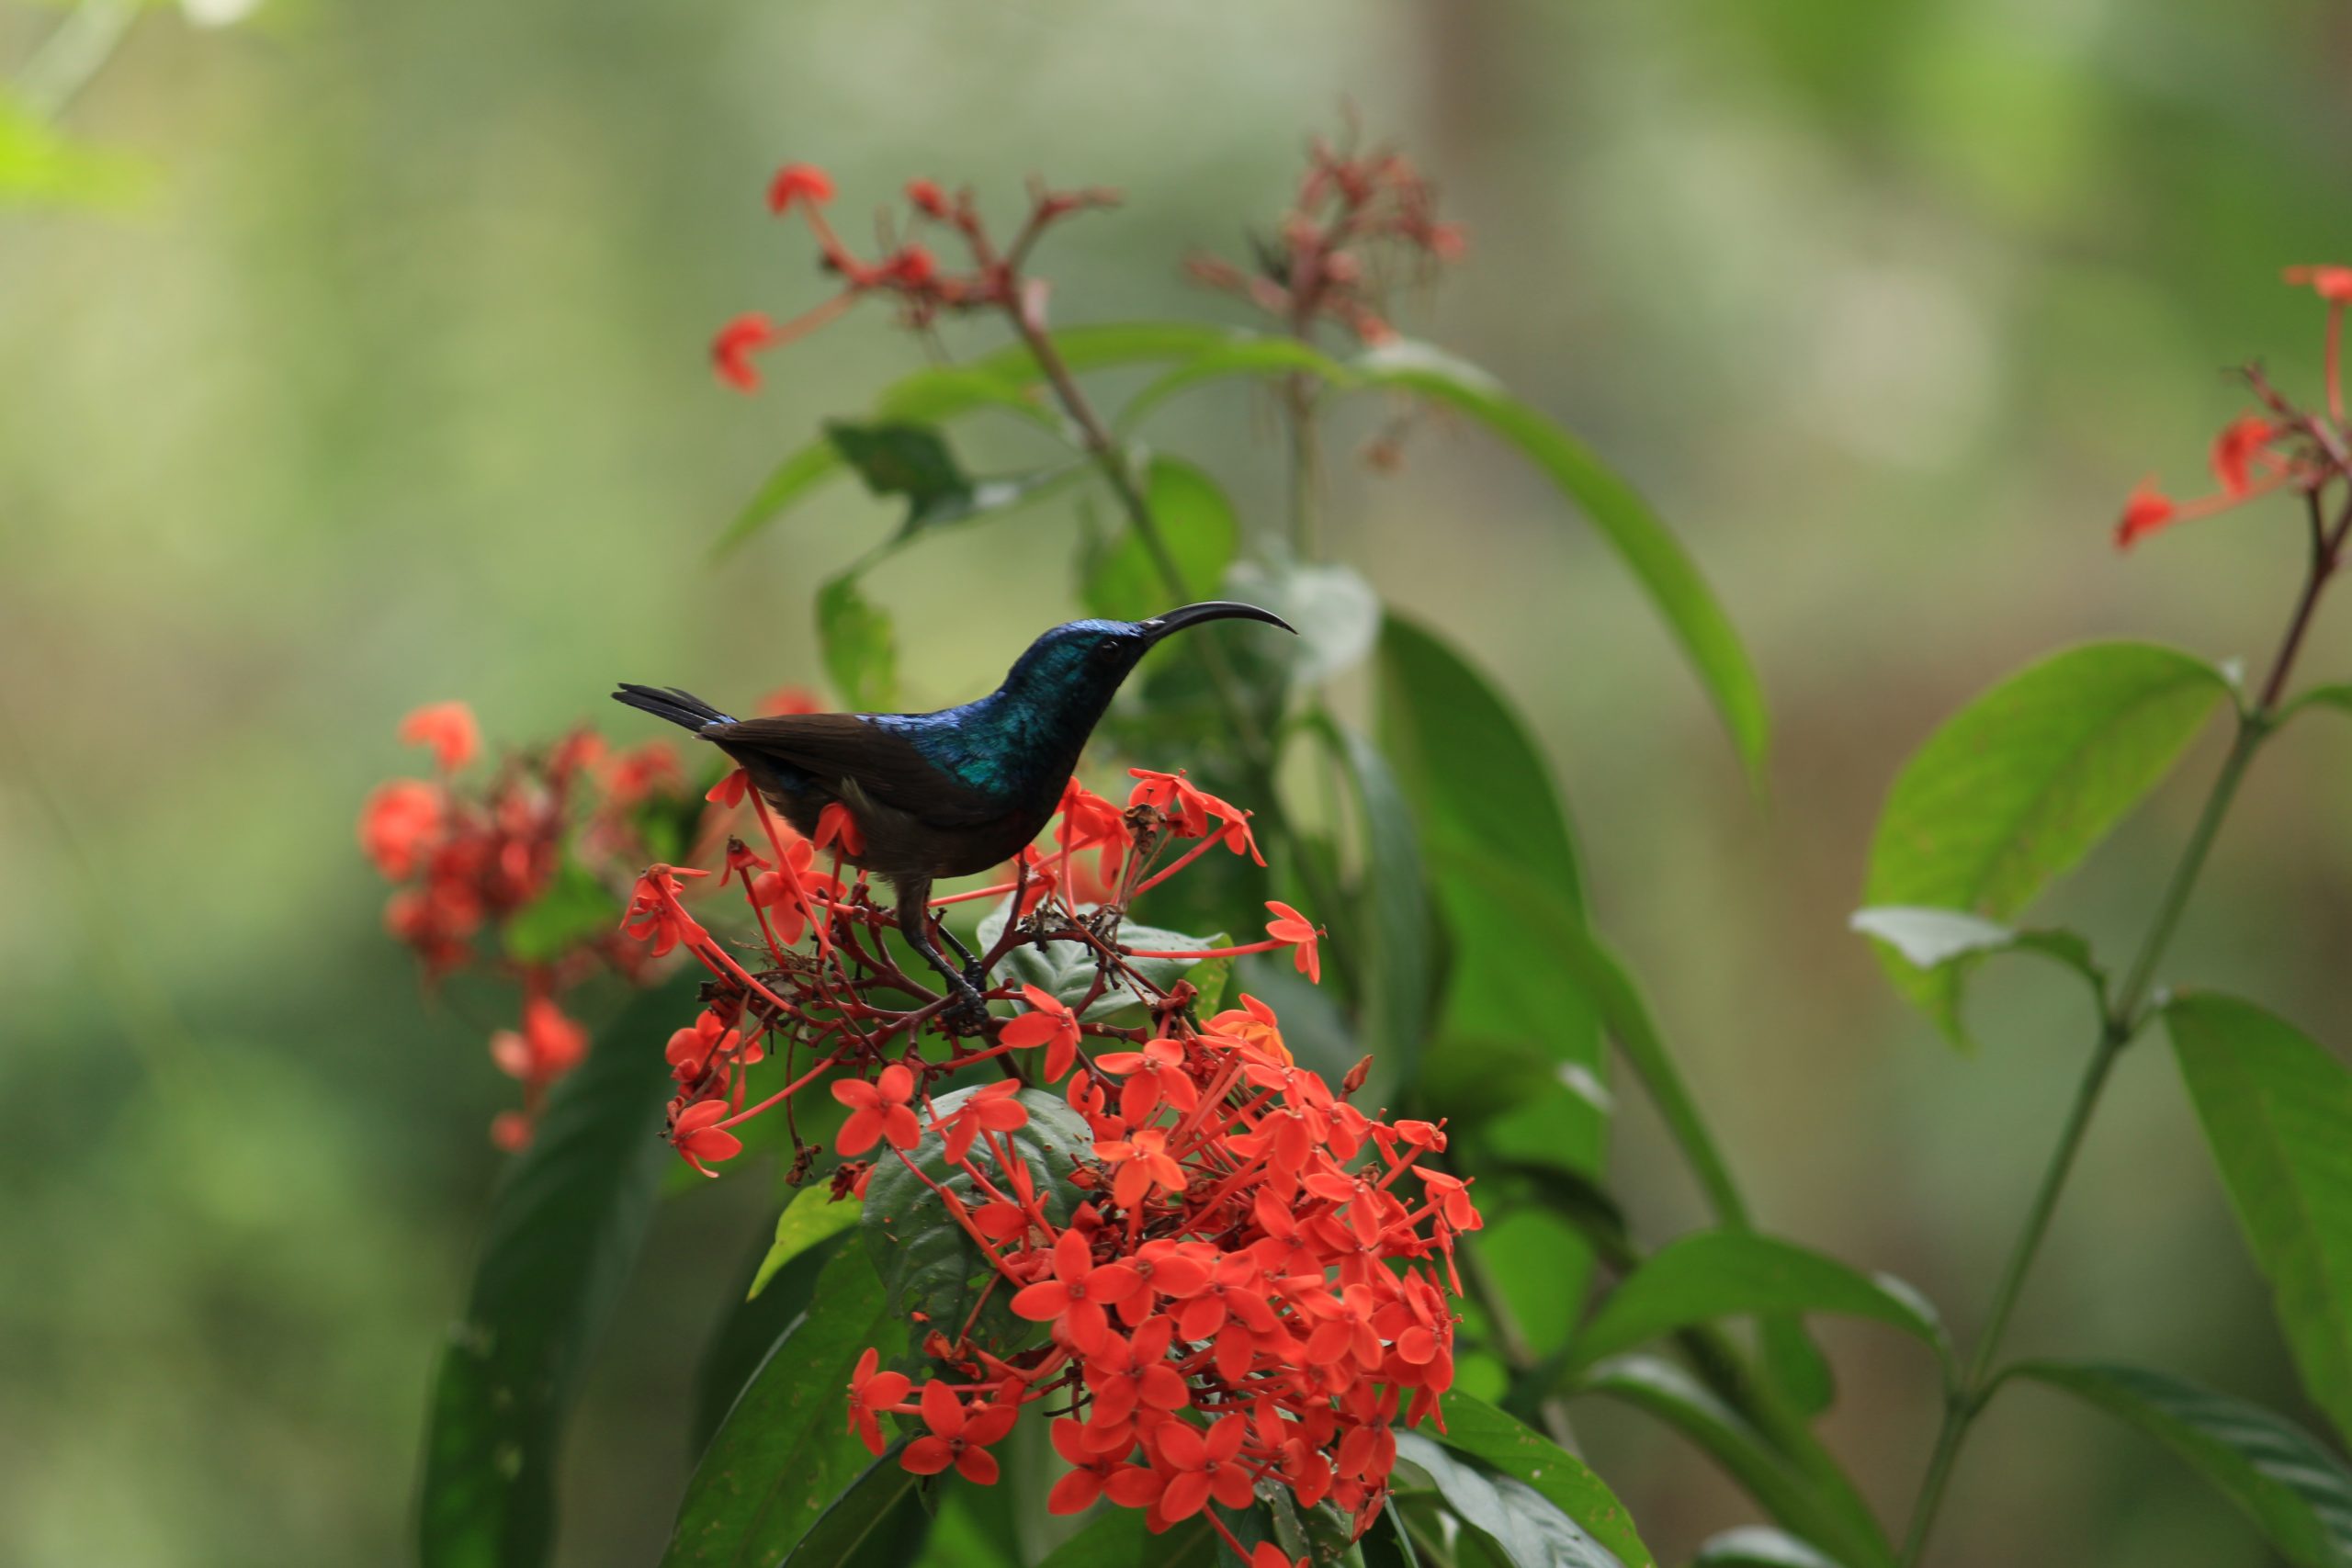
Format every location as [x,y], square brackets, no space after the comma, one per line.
[841,746]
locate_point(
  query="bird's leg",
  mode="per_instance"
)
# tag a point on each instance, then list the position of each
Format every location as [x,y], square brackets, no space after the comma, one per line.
[971,964]
[970,1009]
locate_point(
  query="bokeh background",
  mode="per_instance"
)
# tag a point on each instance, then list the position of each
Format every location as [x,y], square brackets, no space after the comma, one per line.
[373,374]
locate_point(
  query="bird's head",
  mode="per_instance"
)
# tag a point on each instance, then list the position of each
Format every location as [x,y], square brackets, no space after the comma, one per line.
[1080,664]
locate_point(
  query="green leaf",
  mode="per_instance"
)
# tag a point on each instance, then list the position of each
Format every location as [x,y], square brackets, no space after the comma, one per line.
[1482,796]
[865,1524]
[813,1215]
[1928,939]
[2277,1109]
[912,461]
[860,648]
[1530,1531]
[1065,970]
[1504,1443]
[1753,1546]
[564,1229]
[784,1454]
[2296,1492]
[1123,581]
[40,166]
[740,1345]
[1113,1538]
[1264,356]
[2017,786]
[1580,956]
[1393,926]
[928,1263]
[1624,519]
[1834,1517]
[1713,1274]
[574,907]
[1005,380]
[2337,696]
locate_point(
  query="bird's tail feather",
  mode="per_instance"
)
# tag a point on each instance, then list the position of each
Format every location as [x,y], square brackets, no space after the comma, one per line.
[668,702]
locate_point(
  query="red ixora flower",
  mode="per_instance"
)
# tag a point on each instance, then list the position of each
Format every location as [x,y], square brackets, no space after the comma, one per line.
[448,729]
[732,350]
[698,1136]
[799,183]
[1077,1291]
[402,816]
[1291,927]
[1049,1022]
[958,1437]
[877,1111]
[871,1392]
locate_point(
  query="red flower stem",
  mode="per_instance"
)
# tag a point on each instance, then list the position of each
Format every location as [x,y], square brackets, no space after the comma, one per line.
[786,1092]
[1195,852]
[1267,946]
[784,869]
[997,890]
[955,1207]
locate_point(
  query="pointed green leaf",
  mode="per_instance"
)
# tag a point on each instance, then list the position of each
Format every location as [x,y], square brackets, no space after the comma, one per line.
[1615,508]
[1251,356]
[1482,796]
[2296,1492]
[1503,1443]
[564,1228]
[2277,1109]
[1006,379]
[783,1452]
[2018,786]
[1753,1546]
[1712,1274]
[1392,926]
[1836,1519]
[813,1215]
[1124,582]
[867,1523]
[928,1262]
[860,646]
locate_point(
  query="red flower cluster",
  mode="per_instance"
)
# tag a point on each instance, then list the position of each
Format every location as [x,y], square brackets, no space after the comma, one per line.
[2279,446]
[1356,217]
[1254,1280]
[908,270]
[469,858]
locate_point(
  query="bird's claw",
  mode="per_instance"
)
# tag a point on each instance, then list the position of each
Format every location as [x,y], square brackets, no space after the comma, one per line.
[967,1014]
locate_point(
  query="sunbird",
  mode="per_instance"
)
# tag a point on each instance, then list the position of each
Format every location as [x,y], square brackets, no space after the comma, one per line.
[943,794]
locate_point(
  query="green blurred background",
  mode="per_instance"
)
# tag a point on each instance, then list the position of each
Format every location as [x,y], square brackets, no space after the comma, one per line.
[377,378]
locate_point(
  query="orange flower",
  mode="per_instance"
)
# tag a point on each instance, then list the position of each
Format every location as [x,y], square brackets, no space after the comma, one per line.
[732,350]
[958,1437]
[1289,926]
[877,1111]
[869,1393]
[801,183]
[835,825]
[448,729]
[698,1137]
[400,817]
[2241,440]
[1199,1468]
[1049,1022]
[1077,1291]
[1093,1475]
[1143,1162]
[992,1109]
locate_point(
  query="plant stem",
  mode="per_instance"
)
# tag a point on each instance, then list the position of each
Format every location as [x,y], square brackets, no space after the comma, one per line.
[2124,1020]
[1112,459]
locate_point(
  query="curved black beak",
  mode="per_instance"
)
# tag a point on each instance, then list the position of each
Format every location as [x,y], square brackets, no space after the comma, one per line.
[1176,620]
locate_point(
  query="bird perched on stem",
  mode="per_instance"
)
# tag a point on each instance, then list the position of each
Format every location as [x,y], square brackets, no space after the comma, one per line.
[943,794]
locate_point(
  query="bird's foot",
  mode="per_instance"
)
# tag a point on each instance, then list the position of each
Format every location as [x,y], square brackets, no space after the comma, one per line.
[968,1013]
